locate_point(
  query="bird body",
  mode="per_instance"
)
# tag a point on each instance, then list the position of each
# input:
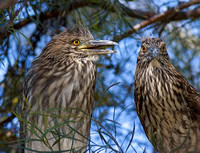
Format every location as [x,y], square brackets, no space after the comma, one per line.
[59,92]
[167,104]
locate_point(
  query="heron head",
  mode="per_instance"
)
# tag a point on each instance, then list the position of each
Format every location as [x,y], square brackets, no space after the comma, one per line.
[152,51]
[79,43]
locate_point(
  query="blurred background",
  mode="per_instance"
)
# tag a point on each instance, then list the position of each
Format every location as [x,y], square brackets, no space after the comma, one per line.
[26,26]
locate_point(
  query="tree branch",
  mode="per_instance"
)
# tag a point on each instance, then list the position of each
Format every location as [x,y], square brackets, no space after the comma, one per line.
[7,3]
[186,15]
[54,13]
[42,17]
[75,5]
[11,20]
[172,13]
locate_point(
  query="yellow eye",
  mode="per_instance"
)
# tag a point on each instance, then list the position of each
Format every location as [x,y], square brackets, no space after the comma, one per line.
[76,42]
[163,48]
[143,49]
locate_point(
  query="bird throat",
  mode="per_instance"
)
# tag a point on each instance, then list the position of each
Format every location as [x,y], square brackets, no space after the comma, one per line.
[155,63]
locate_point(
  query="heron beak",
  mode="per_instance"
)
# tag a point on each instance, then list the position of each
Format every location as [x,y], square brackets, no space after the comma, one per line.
[97,47]
[154,52]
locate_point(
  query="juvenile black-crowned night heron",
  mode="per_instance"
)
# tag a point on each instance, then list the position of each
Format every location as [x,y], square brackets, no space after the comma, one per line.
[59,92]
[167,104]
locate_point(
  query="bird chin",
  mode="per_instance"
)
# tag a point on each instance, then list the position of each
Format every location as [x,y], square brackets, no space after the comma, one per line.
[155,63]
[92,57]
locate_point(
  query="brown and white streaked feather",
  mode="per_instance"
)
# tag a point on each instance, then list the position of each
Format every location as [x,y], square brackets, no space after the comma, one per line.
[59,79]
[167,104]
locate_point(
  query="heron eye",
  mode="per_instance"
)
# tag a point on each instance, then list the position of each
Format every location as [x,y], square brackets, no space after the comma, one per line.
[163,48]
[143,49]
[76,42]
